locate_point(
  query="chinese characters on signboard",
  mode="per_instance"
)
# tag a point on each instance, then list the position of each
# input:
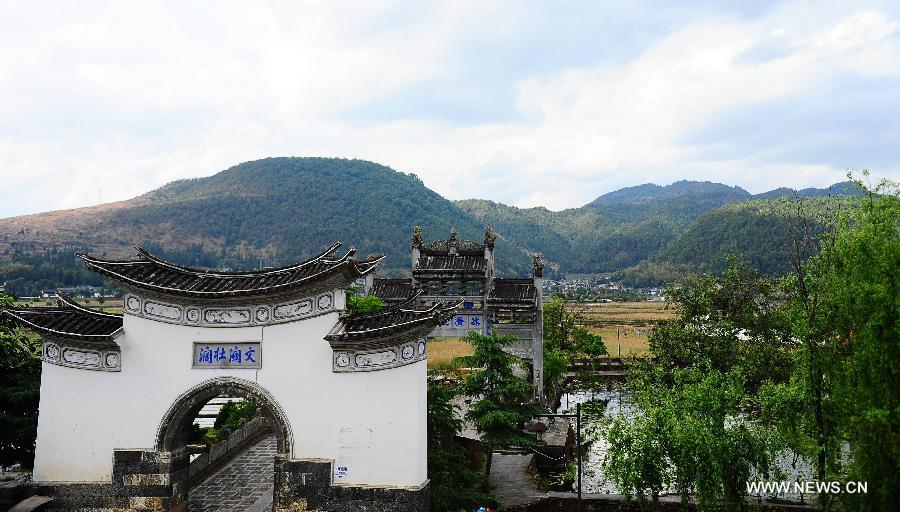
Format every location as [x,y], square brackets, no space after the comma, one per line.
[463,322]
[227,355]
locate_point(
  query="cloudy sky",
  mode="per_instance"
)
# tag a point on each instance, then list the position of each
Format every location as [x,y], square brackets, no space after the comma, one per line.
[527,103]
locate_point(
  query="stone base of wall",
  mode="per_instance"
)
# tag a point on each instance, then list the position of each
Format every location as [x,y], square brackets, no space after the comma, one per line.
[141,482]
[306,485]
[150,481]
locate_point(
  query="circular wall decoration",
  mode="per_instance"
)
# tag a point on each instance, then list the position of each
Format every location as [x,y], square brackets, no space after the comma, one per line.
[192,315]
[421,348]
[52,352]
[112,360]
[262,314]
[408,352]
[133,303]
[342,360]
[324,302]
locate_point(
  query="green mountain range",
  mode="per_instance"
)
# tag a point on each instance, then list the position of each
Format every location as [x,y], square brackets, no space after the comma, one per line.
[277,210]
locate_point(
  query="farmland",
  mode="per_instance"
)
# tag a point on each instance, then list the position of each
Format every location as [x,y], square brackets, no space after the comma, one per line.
[624,326]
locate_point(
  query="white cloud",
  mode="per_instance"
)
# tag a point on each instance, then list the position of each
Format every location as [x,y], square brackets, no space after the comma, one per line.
[130,96]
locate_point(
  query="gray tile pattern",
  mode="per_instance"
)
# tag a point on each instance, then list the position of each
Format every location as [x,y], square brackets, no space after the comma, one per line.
[246,481]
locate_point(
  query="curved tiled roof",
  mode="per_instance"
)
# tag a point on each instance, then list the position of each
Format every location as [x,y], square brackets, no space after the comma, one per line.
[455,263]
[151,273]
[68,320]
[512,290]
[392,290]
[403,320]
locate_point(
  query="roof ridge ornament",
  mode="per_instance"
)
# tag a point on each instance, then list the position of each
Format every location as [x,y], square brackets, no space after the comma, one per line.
[417,237]
[538,264]
[489,237]
[453,242]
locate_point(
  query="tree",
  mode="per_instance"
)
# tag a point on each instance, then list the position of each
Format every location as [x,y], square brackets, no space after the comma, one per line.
[364,304]
[231,414]
[501,403]
[562,331]
[697,388]
[20,380]
[805,410]
[866,259]
[559,323]
[565,339]
[844,389]
[452,477]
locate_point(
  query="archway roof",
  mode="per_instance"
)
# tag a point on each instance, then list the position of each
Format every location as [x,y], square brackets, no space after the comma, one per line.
[68,320]
[397,323]
[151,273]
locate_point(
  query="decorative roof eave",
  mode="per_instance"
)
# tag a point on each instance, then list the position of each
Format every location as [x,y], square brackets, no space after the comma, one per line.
[14,315]
[65,300]
[289,268]
[345,266]
[21,317]
[352,332]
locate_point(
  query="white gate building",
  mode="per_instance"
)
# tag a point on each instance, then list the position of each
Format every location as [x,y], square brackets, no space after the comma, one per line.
[345,394]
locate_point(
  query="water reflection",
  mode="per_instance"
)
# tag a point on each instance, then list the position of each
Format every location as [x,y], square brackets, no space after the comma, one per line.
[597,403]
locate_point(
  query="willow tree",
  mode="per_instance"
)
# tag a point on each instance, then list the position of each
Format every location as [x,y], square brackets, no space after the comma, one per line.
[702,377]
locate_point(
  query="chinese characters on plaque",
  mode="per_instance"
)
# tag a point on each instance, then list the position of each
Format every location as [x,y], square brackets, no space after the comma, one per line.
[227,355]
[463,322]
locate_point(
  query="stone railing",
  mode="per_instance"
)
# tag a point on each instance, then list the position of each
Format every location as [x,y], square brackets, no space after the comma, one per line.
[224,450]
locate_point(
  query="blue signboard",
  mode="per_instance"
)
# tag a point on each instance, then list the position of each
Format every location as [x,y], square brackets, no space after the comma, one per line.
[227,355]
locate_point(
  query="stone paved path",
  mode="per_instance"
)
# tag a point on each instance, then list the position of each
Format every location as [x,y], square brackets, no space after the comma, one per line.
[510,481]
[245,483]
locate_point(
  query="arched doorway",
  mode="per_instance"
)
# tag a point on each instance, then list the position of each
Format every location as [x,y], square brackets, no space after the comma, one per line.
[172,440]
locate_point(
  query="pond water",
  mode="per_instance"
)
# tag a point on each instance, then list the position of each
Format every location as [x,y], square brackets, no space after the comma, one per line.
[605,400]
[597,403]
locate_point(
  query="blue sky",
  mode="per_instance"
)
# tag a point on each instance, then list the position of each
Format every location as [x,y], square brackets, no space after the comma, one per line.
[526,103]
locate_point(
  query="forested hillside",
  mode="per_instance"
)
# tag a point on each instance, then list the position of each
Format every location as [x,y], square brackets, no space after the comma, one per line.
[272,212]
[616,230]
[278,210]
[286,209]
[759,230]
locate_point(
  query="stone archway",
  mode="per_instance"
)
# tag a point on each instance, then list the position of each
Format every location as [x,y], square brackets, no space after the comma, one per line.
[174,429]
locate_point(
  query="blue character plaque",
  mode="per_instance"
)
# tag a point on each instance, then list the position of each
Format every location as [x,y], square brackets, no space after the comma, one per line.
[214,355]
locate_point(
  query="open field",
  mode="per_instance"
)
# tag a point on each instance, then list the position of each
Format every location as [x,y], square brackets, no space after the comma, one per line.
[442,352]
[624,326]
[627,311]
[624,342]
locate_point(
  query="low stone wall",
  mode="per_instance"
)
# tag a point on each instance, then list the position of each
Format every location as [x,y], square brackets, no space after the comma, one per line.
[220,453]
[141,481]
[302,485]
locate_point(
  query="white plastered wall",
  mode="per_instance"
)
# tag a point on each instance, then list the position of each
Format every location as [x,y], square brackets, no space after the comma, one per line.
[372,422]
